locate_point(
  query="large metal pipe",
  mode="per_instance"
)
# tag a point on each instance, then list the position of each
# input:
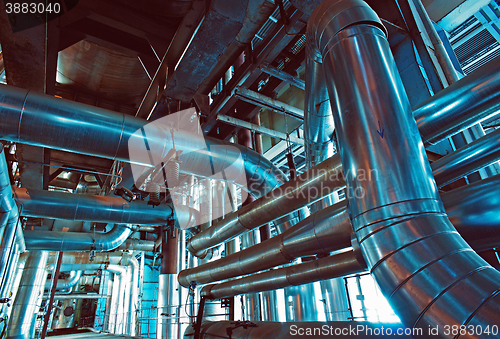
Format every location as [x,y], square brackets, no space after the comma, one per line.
[77,241]
[318,120]
[468,159]
[327,177]
[474,210]
[308,187]
[27,303]
[9,223]
[60,205]
[115,136]
[67,283]
[337,265]
[461,105]
[321,233]
[427,271]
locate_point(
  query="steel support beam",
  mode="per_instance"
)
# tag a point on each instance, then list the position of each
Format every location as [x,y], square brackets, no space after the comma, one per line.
[277,73]
[263,101]
[259,129]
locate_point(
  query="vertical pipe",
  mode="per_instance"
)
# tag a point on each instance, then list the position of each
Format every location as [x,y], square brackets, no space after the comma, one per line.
[422,265]
[48,310]
[168,286]
[27,303]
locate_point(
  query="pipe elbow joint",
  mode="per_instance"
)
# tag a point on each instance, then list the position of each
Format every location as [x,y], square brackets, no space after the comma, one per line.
[331,17]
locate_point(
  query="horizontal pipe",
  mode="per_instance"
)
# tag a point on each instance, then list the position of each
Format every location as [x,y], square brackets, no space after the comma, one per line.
[279,74]
[321,180]
[256,128]
[468,101]
[473,209]
[77,241]
[467,159]
[274,105]
[138,245]
[321,233]
[90,130]
[330,267]
[60,205]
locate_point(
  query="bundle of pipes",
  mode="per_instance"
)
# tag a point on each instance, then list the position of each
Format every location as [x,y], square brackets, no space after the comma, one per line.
[429,274]
[470,208]
[114,136]
[326,178]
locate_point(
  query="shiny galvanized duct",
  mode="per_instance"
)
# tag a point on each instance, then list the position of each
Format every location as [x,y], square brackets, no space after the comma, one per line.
[9,224]
[27,303]
[468,159]
[472,209]
[337,265]
[60,205]
[325,178]
[308,187]
[468,101]
[425,269]
[318,120]
[77,241]
[107,134]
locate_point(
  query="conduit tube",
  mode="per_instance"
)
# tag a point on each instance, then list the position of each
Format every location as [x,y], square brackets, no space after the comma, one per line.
[60,205]
[474,210]
[337,265]
[321,233]
[77,241]
[308,187]
[467,159]
[426,270]
[461,105]
[114,136]
[326,178]
[318,119]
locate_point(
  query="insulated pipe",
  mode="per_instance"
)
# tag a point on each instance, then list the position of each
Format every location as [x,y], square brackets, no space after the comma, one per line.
[27,303]
[327,177]
[461,105]
[474,210]
[67,283]
[321,233]
[90,130]
[138,245]
[318,119]
[337,265]
[106,261]
[9,223]
[468,159]
[427,271]
[308,187]
[77,241]
[60,205]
